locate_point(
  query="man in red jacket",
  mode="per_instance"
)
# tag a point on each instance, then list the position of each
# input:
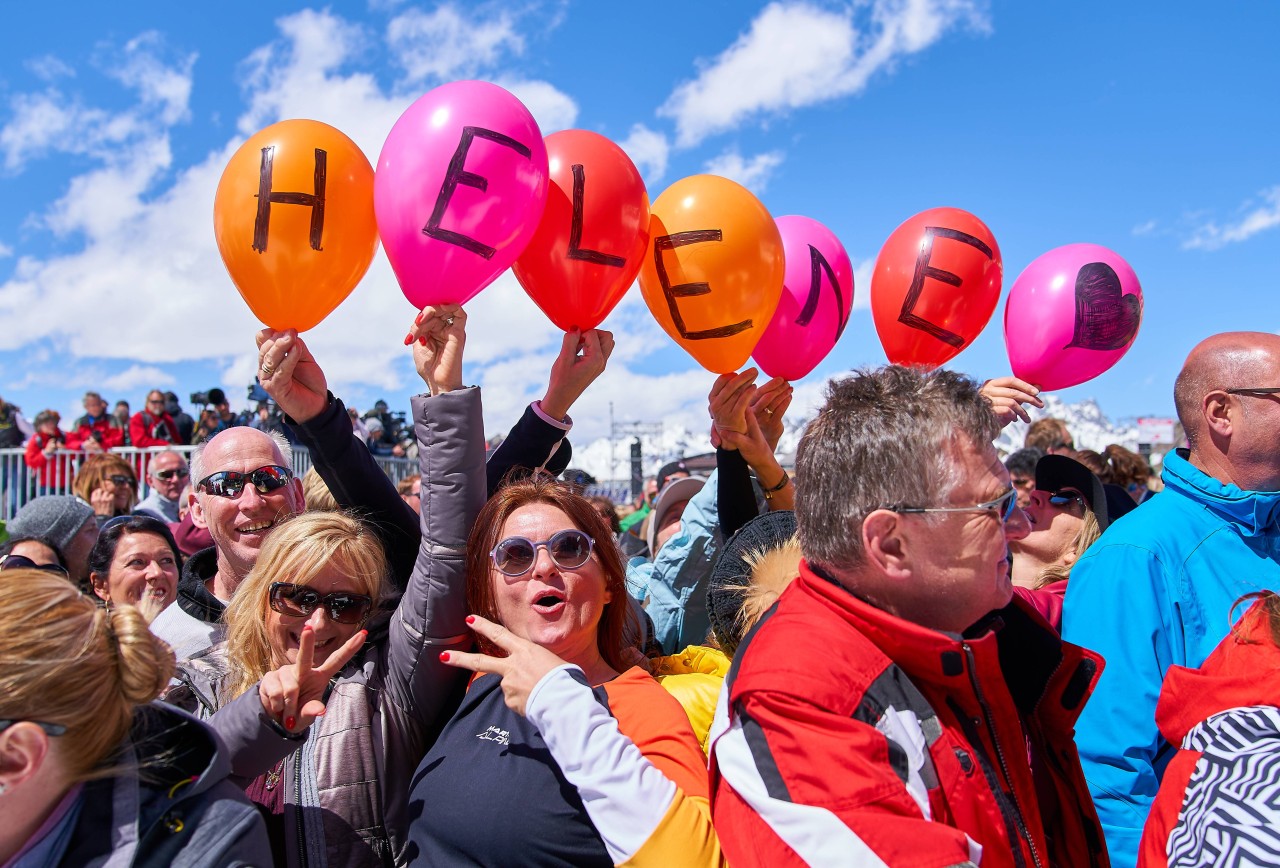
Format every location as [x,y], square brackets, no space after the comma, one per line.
[152,426]
[891,707]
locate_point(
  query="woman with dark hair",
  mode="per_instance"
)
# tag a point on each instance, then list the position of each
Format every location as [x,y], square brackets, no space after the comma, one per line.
[136,562]
[577,757]
[109,484]
[1127,469]
[92,771]
[32,552]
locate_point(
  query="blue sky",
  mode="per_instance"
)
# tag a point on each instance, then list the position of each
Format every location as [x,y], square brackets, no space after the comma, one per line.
[1148,129]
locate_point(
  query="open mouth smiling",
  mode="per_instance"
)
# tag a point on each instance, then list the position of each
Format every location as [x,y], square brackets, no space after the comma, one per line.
[548,602]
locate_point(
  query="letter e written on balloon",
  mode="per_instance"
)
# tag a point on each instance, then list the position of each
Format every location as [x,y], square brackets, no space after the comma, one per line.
[315,200]
[819,266]
[925,271]
[689,290]
[576,250]
[457,174]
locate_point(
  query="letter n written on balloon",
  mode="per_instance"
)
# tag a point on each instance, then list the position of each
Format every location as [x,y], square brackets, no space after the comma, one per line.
[689,290]
[935,285]
[313,200]
[819,267]
[457,174]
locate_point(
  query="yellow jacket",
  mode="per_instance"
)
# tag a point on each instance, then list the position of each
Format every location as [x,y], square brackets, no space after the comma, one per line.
[694,677]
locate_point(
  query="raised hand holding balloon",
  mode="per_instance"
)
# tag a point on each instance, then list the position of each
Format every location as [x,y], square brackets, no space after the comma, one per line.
[1071,315]
[589,245]
[935,285]
[712,273]
[817,298]
[293,217]
[460,188]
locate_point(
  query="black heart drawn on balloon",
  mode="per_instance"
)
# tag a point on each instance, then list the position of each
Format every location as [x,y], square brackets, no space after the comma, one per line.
[1105,319]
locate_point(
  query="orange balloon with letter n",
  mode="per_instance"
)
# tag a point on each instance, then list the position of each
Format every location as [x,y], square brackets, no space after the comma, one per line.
[294,221]
[713,272]
[935,285]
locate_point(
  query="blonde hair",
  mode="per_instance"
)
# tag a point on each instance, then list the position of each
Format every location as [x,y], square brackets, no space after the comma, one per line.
[65,660]
[316,493]
[1087,536]
[97,469]
[297,552]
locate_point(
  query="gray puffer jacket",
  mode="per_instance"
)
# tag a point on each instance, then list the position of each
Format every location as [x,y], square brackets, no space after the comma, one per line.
[346,785]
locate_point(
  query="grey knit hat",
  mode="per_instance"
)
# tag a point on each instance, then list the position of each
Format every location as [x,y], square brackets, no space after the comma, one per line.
[732,572]
[56,517]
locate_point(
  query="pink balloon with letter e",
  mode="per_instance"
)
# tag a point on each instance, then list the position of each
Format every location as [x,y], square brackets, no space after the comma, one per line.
[460,188]
[1071,315]
[817,297]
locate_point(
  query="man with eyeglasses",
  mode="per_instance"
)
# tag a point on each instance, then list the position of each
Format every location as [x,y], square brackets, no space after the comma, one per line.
[167,475]
[152,425]
[1160,587]
[890,708]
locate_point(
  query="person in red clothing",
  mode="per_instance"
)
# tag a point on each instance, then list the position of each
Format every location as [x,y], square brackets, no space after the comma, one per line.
[895,706]
[1219,801]
[97,430]
[42,453]
[152,426]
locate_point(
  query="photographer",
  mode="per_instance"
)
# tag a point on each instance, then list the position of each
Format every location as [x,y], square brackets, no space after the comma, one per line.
[97,430]
[42,449]
[153,426]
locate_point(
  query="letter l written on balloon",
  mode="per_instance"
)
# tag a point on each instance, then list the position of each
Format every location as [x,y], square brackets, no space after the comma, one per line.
[689,290]
[925,270]
[458,174]
[576,250]
[315,201]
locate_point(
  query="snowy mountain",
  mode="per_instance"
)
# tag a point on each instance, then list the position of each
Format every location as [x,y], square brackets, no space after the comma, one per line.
[611,461]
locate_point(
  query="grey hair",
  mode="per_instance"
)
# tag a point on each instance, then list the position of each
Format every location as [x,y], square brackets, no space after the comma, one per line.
[197,455]
[885,437]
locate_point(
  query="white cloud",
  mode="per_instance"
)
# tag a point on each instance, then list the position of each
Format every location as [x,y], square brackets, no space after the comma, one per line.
[751,172]
[796,54]
[862,271]
[1145,228]
[5,250]
[1260,217]
[553,109]
[448,44]
[649,150]
[49,68]
[138,377]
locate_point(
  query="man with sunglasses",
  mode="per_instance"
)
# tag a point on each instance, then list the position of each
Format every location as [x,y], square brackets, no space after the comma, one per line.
[167,475]
[891,706]
[1161,585]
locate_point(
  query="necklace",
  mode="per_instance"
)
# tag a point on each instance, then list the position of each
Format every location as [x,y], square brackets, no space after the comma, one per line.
[273,776]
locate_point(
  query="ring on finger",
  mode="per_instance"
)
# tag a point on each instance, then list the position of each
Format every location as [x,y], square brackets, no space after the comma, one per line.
[448,320]
[268,369]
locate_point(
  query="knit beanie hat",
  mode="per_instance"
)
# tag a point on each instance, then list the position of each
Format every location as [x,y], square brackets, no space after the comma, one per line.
[56,517]
[732,572]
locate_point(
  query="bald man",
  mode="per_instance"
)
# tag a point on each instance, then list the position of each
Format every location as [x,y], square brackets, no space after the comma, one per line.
[1159,587]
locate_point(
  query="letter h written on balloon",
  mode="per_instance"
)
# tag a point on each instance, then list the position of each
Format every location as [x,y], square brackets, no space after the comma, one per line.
[689,290]
[457,174]
[924,271]
[315,200]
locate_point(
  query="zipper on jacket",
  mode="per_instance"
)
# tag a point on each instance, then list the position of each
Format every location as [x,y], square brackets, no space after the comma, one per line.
[297,809]
[1004,767]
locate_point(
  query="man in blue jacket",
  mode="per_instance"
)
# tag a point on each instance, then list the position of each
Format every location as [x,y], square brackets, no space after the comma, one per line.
[1160,587]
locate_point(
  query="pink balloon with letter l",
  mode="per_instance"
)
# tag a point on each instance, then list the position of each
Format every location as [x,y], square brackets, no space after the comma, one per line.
[459,191]
[1071,315]
[817,297]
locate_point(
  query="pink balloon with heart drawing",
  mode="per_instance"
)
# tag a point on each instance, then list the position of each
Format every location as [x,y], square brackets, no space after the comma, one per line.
[1071,315]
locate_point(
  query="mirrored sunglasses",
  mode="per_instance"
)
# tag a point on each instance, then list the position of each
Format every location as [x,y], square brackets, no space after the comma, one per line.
[180,472]
[1066,498]
[299,601]
[229,483]
[569,549]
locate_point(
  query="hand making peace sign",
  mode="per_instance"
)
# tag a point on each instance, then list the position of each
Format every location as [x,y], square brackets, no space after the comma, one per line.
[524,666]
[293,694]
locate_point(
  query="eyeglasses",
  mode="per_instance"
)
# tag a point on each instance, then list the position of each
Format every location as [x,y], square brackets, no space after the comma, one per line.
[229,483]
[157,401]
[1004,506]
[181,473]
[299,601]
[1066,498]
[51,728]
[1064,444]
[120,479]
[22,562]
[569,549]
[1268,390]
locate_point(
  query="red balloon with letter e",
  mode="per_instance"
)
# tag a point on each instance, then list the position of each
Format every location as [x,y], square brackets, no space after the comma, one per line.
[460,187]
[1071,314]
[935,286]
[593,234]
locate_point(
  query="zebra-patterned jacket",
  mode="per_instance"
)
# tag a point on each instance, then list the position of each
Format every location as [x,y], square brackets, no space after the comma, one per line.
[1219,801]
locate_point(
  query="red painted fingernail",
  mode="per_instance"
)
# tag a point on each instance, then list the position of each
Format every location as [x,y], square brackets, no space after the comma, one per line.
[289,722]
[408,339]
[423,341]
[364,633]
[471,619]
[306,627]
[444,656]
[323,713]
[417,320]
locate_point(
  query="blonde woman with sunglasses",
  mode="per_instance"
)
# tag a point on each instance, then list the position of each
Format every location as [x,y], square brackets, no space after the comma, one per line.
[324,698]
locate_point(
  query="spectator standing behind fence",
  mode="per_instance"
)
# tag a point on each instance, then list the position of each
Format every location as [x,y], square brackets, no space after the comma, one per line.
[42,450]
[97,430]
[121,413]
[181,418]
[153,426]
[108,484]
[14,428]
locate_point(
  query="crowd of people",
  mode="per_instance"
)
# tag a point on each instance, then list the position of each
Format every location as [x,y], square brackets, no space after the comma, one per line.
[905,650]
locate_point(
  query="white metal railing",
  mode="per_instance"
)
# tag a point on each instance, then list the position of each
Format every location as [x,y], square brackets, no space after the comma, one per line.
[20,483]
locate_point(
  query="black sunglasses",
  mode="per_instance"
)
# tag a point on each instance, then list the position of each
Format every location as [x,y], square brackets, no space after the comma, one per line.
[22,562]
[229,483]
[120,479]
[181,473]
[51,728]
[569,549]
[1269,390]
[299,601]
